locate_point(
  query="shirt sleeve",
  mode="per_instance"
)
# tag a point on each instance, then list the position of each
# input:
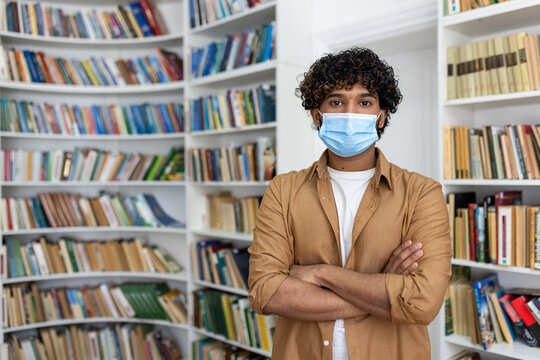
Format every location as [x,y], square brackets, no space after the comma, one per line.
[417,298]
[271,250]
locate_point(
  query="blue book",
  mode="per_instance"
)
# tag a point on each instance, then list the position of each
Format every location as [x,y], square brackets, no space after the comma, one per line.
[158,212]
[192,16]
[145,118]
[41,215]
[9,19]
[98,121]
[103,79]
[152,125]
[15,262]
[141,68]
[39,19]
[98,33]
[206,114]
[107,117]
[107,345]
[201,245]
[22,117]
[116,340]
[246,51]
[132,211]
[81,25]
[268,46]
[137,11]
[198,117]
[135,111]
[79,68]
[71,298]
[60,28]
[486,324]
[31,66]
[179,111]
[131,120]
[166,119]
[215,160]
[226,54]
[210,58]
[162,76]
[192,115]
[79,119]
[32,259]
[26,19]
[80,301]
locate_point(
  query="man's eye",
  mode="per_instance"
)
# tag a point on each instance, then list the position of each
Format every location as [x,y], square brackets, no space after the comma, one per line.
[365,103]
[336,103]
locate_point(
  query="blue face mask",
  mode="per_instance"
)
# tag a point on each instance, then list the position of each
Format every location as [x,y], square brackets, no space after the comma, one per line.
[348,134]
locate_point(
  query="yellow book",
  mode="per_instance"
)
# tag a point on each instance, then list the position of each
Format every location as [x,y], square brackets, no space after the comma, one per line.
[493,75]
[523,60]
[135,24]
[451,75]
[481,55]
[514,58]
[32,19]
[227,311]
[519,253]
[262,332]
[509,63]
[88,70]
[498,45]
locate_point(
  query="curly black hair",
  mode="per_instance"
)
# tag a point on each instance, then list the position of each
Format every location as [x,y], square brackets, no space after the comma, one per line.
[346,69]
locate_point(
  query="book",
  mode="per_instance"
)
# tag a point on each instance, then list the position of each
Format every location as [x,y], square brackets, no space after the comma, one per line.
[486,322]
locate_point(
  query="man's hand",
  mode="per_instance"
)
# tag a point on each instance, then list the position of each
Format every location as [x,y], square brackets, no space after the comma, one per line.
[307,273]
[403,259]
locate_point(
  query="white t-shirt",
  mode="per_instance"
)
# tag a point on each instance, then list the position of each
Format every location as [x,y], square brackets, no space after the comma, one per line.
[349,188]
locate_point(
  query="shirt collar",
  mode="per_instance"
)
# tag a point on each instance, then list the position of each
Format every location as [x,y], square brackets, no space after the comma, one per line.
[382,168]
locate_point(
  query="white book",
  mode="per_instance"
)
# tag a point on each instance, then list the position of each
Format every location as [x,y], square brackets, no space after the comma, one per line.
[504,233]
[80,157]
[19,167]
[94,345]
[224,112]
[4,308]
[243,303]
[40,258]
[145,211]
[106,205]
[107,296]
[87,23]
[123,302]
[238,118]
[84,258]
[25,212]
[120,119]
[125,342]
[58,161]
[65,255]
[256,106]
[104,68]
[130,167]
[515,152]
[108,167]
[4,215]
[78,210]
[87,212]
[89,163]
[116,73]
[234,51]
[36,165]
[27,349]
[14,214]
[148,261]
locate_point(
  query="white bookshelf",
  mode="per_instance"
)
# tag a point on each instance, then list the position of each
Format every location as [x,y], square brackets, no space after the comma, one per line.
[514,108]
[181,199]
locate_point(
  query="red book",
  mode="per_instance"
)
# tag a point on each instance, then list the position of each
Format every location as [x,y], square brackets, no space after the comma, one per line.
[506,198]
[150,17]
[520,305]
[519,325]
[8,212]
[473,232]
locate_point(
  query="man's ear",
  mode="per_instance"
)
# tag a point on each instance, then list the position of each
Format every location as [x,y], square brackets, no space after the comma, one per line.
[382,119]
[316,117]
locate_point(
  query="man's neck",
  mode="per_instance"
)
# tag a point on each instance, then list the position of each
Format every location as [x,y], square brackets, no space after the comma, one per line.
[364,161]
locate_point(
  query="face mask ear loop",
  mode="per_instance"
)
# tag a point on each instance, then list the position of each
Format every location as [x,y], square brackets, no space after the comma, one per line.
[320,119]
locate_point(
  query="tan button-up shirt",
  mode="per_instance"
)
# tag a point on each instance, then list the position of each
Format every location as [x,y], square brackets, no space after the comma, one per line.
[297,223]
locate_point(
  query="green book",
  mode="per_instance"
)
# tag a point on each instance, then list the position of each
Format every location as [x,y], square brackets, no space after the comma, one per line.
[166,162]
[97,164]
[249,326]
[71,253]
[120,210]
[15,262]
[126,121]
[203,307]
[158,162]
[249,108]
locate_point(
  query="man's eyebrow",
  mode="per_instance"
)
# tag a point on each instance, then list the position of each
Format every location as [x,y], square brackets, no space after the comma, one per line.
[362,95]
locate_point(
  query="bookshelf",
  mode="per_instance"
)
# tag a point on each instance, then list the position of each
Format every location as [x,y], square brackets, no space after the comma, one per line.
[182,199]
[512,108]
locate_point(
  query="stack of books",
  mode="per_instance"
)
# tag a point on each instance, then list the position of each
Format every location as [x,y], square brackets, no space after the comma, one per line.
[202,12]
[45,118]
[456,6]
[36,67]
[232,316]
[236,108]
[136,20]
[110,342]
[500,65]
[220,263]
[492,152]
[45,257]
[248,162]
[227,213]
[27,304]
[72,210]
[490,315]
[498,230]
[234,51]
[90,165]
[218,350]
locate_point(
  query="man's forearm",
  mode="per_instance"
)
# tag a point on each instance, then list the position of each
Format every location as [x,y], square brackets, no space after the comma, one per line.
[365,291]
[300,300]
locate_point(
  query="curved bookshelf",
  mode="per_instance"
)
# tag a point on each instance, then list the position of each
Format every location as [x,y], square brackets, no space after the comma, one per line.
[492,182]
[33,136]
[98,320]
[223,234]
[256,70]
[93,90]
[100,229]
[494,267]
[518,350]
[150,40]
[240,129]
[227,289]
[181,276]
[232,342]
[244,19]
[231,183]
[524,97]
[163,183]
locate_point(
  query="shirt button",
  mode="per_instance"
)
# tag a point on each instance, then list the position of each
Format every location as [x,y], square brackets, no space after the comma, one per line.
[326,342]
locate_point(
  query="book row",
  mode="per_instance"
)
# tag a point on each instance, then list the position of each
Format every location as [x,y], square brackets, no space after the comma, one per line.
[97,343]
[248,162]
[488,314]
[236,108]
[72,210]
[492,152]
[46,118]
[220,263]
[456,6]
[26,304]
[36,67]
[90,165]
[466,355]
[232,316]
[45,257]
[224,212]
[209,348]
[136,20]
[500,65]
[498,230]
[234,51]
[202,12]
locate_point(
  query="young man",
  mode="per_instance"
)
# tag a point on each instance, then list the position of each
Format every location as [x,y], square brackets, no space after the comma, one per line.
[336,250]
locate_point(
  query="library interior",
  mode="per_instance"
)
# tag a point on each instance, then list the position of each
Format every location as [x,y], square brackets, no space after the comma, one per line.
[155,202]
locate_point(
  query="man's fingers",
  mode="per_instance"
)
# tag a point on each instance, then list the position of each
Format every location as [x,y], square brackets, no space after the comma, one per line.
[411,259]
[411,268]
[405,254]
